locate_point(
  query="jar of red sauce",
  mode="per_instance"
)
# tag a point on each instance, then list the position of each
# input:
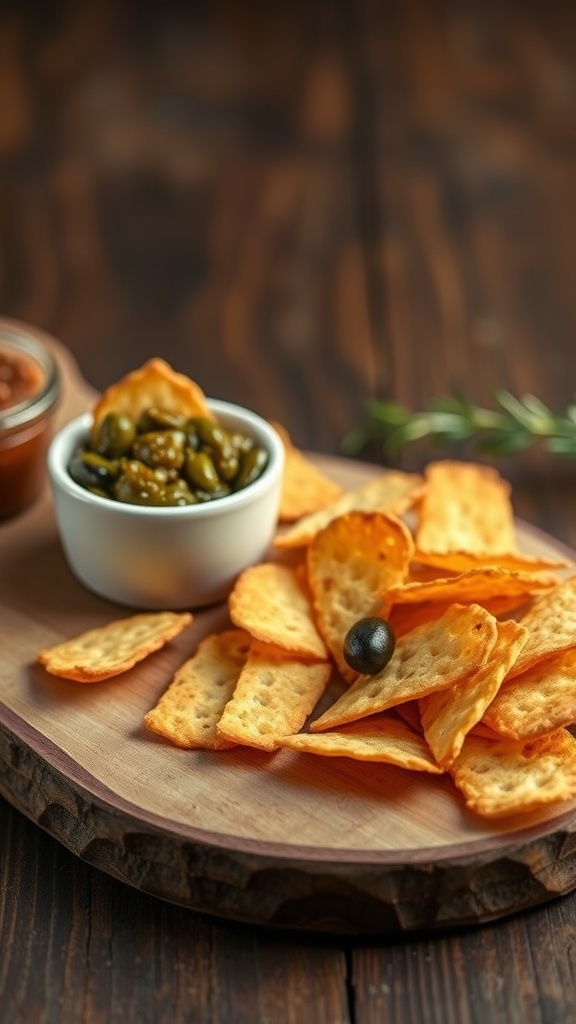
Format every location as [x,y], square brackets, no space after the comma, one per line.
[29,390]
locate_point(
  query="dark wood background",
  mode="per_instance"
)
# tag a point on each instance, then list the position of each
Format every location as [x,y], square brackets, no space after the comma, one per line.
[301,205]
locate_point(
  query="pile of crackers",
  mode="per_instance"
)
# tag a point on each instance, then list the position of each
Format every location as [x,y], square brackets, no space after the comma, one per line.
[482,682]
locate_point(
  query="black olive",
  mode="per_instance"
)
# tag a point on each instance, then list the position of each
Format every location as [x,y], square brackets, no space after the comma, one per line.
[369,644]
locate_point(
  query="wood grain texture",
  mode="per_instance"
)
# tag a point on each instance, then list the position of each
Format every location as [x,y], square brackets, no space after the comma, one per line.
[300,204]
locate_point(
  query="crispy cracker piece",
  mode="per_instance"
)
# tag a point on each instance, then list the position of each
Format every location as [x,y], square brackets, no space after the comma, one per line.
[153,384]
[463,561]
[466,520]
[305,488]
[189,710]
[274,695]
[409,712]
[352,562]
[448,715]
[113,648]
[483,583]
[551,621]
[465,507]
[393,492]
[503,777]
[420,573]
[539,701]
[270,603]
[431,657]
[378,738]
[405,617]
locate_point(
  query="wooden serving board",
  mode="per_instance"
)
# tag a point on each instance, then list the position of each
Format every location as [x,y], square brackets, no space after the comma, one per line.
[286,839]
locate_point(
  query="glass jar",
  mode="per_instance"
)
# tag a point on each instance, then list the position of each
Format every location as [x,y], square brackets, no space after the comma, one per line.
[29,391]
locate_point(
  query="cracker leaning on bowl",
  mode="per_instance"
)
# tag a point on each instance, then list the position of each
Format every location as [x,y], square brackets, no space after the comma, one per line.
[177,510]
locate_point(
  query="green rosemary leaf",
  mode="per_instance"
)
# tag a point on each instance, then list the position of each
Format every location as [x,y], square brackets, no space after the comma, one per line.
[561,445]
[516,409]
[356,439]
[517,424]
[505,444]
[451,426]
[390,413]
[452,405]
[537,408]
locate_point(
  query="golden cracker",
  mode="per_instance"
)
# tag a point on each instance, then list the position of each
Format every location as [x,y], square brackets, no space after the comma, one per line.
[382,738]
[480,584]
[274,696]
[431,657]
[270,603]
[551,622]
[448,716]
[540,700]
[465,507]
[305,487]
[503,777]
[113,648]
[153,384]
[352,563]
[189,710]
[393,492]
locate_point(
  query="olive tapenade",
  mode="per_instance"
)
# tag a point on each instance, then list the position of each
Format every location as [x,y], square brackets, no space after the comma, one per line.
[166,459]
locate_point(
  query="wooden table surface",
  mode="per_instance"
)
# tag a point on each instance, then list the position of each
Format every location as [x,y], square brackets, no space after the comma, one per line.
[301,205]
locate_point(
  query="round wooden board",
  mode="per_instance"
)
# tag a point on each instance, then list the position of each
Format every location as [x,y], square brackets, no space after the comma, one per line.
[285,840]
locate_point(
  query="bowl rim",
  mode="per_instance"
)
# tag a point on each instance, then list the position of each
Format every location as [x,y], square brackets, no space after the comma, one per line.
[62,444]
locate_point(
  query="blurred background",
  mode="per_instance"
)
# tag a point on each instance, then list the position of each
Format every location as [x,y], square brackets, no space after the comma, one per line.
[299,204]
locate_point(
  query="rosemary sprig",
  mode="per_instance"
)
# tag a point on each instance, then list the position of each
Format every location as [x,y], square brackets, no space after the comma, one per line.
[516,424]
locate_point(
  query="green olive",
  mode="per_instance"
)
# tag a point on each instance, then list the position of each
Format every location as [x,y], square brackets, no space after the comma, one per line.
[252,463]
[227,463]
[161,448]
[140,485]
[204,427]
[91,470]
[200,472]
[166,459]
[241,442]
[155,418]
[114,435]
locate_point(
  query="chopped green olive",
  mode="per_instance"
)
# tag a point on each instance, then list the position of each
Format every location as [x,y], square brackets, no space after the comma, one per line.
[166,459]
[161,448]
[369,645]
[140,485]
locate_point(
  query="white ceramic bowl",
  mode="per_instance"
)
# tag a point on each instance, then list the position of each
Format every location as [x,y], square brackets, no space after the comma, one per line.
[166,558]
